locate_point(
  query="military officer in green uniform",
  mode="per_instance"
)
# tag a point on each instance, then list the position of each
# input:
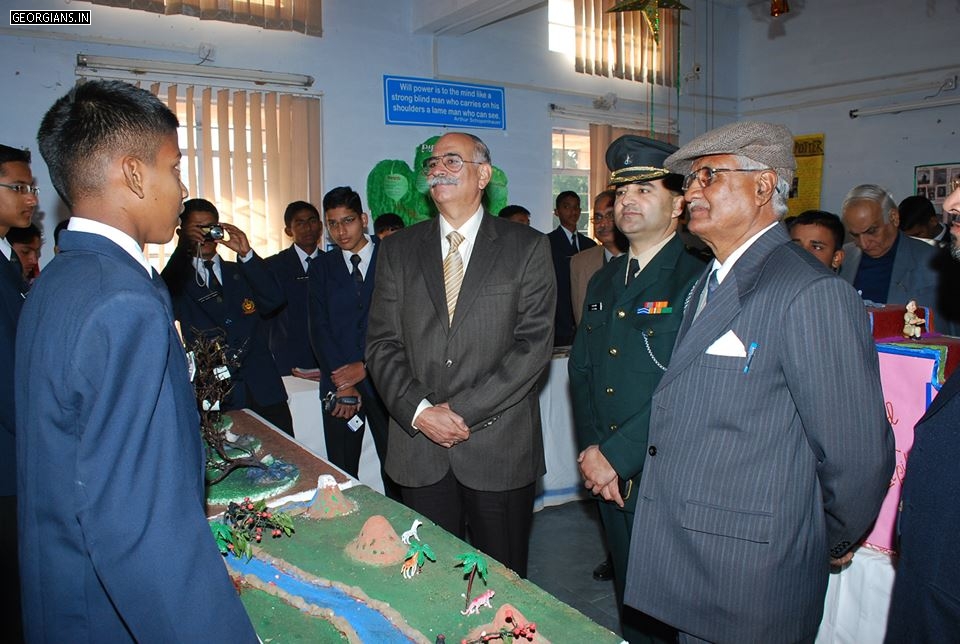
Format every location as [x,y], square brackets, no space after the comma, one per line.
[631,315]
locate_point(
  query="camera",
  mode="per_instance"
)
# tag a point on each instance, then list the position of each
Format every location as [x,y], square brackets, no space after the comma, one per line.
[213,232]
[331,399]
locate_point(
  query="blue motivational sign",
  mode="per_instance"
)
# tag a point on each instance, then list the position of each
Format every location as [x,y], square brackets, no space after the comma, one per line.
[421,101]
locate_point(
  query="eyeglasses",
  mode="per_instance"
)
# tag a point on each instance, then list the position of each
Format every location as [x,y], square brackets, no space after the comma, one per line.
[599,217]
[22,188]
[706,175]
[451,161]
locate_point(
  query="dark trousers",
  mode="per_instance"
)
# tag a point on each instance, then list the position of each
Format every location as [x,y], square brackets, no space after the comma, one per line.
[344,445]
[636,627]
[498,522]
[10,570]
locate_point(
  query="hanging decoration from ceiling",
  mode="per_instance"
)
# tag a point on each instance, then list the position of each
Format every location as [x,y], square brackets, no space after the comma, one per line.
[650,9]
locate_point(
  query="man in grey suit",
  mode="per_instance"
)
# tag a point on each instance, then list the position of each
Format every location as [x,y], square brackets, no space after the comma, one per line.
[885,265]
[460,329]
[769,449]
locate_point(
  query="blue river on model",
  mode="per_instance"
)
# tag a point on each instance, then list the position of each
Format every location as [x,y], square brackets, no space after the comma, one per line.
[369,624]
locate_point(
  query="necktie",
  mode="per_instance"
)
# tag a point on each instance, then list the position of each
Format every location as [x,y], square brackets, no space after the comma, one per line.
[357,275]
[17,269]
[632,270]
[212,282]
[453,272]
[307,260]
[573,244]
[712,283]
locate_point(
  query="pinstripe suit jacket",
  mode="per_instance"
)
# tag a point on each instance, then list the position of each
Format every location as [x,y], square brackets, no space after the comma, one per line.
[486,364]
[755,478]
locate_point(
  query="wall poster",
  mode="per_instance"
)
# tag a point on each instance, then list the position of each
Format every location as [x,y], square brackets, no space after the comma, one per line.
[807,182]
[936,181]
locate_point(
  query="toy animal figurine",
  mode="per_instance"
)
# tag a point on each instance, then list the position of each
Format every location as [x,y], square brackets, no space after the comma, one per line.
[483,599]
[412,532]
[912,322]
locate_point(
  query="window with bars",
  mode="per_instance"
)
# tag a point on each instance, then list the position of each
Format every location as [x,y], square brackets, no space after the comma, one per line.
[641,46]
[302,16]
[571,171]
[250,153]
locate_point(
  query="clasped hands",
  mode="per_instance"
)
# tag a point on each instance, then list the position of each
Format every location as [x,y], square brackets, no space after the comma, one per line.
[442,425]
[598,475]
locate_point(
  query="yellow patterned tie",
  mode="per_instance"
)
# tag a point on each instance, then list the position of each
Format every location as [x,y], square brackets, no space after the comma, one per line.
[453,272]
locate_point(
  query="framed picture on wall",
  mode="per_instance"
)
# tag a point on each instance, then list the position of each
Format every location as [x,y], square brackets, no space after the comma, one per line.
[935,181]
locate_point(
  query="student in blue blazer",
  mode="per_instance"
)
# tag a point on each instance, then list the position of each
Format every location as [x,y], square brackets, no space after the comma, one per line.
[289,335]
[114,540]
[211,295]
[341,286]
[18,200]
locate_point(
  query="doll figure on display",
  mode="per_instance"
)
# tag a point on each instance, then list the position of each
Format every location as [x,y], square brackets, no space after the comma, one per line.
[912,323]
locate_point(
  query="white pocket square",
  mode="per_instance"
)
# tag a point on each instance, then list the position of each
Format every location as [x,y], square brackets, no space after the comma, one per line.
[729,345]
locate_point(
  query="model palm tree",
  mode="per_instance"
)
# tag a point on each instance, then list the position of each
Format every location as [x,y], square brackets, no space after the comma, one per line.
[473,564]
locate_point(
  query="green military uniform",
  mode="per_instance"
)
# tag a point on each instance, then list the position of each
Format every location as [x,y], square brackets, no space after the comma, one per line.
[621,350]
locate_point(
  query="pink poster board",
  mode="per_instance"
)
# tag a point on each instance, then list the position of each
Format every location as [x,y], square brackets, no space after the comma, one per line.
[907,378]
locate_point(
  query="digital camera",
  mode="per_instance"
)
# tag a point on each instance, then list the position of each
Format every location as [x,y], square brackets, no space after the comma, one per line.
[331,399]
[213,232]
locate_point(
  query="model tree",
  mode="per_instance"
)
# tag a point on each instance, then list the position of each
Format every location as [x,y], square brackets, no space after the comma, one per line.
[473,564]
[212,365]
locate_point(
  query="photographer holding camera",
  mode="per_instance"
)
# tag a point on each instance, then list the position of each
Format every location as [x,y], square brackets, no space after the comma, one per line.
[214,296]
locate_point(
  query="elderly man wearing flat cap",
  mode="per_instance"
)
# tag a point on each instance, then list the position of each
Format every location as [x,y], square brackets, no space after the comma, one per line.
[769,451]
[631,315]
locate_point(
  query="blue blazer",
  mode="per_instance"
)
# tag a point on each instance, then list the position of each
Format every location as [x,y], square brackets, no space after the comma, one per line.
[12,292]
[289,334]
[338,315]
[114,541]
[562,251]
[925,605]
[250,293]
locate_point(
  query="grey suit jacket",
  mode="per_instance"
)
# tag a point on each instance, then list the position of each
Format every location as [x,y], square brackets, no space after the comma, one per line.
[582,267]
[913,277]
[485,365]
[756,476]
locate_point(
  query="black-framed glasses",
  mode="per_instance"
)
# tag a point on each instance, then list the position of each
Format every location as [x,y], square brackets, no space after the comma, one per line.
[22,188]
[451,161]
[598,217]
[706,175]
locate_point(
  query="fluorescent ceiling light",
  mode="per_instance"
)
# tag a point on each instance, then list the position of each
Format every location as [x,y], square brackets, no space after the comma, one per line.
[904,107]
[153,67]
[608,117]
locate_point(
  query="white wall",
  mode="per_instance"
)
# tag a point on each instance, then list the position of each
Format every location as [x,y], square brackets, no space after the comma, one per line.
[833,57]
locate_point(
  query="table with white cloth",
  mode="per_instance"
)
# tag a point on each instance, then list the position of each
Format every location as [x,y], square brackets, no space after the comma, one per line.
[559,485]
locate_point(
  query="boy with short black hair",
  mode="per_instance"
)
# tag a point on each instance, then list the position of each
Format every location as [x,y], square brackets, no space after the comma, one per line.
[115,544]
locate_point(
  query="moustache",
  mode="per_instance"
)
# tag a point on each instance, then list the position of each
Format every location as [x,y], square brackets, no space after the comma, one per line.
[442,180]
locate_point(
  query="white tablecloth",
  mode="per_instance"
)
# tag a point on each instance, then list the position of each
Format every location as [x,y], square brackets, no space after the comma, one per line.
[560,484]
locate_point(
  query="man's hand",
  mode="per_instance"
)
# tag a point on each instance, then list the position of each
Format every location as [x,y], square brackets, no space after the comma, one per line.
[442,425]
[191,235]
[611,491]
[842,561]
[347,412]
[236,239]
[348,375]
[599,476]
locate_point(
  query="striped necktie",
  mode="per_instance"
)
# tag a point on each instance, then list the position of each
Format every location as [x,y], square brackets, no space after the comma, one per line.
[453,272]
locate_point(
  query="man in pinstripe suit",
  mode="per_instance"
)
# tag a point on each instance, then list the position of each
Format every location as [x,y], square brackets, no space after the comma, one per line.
[769,450]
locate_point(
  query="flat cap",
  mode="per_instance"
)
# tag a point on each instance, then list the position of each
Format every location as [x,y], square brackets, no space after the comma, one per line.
[632,159]
[768,143]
